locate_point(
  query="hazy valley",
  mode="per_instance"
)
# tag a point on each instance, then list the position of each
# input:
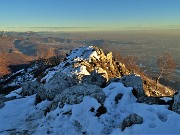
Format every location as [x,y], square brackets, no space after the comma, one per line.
[20,48]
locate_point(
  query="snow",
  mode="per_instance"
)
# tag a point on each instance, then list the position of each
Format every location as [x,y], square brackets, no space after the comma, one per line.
[81,70]
[48,76]
[15,93]
[85,53]
[166,99]
[22,114]
[14,111]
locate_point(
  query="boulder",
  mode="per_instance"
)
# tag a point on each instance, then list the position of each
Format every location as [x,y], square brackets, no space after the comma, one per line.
[57,84]
[101,110]
[135,82]
[176,104]
[130,120]
[50,89]
[30,88]
[75,95]
[95,79]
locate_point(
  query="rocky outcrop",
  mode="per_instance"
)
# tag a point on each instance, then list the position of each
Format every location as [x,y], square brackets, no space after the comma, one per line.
[130,120]
[30,88]
[75,95]
[57,84]
[84,60]
[133,81]
[49,90]
[95,79]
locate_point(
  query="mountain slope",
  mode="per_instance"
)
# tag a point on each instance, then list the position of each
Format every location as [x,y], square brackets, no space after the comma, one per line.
[88,93]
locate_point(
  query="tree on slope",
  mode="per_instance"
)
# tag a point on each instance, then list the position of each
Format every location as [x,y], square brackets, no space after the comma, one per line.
[166,64]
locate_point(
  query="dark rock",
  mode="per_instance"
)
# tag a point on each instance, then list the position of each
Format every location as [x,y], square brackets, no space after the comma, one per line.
[92,109]
[8,89]
[176,104]
[2,104]
[101,110]
[118,97]
[94,79]
[130,120]
[151,100]
[46,111]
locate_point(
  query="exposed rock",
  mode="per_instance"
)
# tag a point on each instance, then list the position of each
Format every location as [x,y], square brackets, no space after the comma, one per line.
[131,81]
[50,89]
[94,79]
[57,84]
[84,60]
[2,104]
[176,104]
[30,88]
[151,100]
[135,82]
[118,97]
[75,95]
[101,110]
[130,120]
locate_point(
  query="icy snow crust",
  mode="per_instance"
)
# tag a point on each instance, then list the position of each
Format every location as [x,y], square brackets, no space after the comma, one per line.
[22,115]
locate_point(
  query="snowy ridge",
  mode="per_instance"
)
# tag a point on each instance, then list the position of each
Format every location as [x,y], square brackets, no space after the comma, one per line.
[88,93]
[85,53]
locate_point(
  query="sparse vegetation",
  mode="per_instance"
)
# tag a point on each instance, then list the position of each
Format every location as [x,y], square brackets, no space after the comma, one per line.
[166,64]
[4,64]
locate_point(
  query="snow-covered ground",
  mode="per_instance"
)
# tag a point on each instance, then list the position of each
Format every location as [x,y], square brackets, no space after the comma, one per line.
[22,115]
[85,53]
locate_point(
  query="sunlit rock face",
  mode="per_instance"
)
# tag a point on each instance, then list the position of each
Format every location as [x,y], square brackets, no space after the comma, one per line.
[85,60]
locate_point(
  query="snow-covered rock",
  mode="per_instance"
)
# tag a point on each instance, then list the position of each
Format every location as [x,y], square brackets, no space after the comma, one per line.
[176,104]
[75,95]
[84,60]
[130,120]
[95,79]
[30,88]
[57,84]
[131,81]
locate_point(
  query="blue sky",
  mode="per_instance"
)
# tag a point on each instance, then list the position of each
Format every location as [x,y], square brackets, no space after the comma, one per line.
[112,14]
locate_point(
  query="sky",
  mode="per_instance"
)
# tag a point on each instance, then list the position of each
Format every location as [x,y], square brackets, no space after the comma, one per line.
[89,14]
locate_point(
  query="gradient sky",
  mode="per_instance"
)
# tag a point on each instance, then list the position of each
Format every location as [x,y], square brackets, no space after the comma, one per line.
[109,14]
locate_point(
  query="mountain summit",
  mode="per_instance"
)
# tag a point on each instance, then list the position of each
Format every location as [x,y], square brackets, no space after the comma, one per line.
[88,93]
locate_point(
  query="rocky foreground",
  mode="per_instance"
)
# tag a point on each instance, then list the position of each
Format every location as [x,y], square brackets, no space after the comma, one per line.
[88,93]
